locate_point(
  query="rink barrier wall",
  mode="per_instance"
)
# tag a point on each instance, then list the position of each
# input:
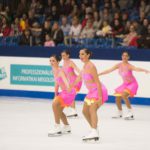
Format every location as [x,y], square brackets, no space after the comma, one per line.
[138,56]
[50,95]
[98,53]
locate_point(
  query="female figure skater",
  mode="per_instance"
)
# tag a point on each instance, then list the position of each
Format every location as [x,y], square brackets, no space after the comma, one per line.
[62,99]
[129,86]
[97,94]
[69,68]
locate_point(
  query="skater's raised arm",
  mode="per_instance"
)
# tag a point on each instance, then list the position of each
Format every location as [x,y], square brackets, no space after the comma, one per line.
[109,70]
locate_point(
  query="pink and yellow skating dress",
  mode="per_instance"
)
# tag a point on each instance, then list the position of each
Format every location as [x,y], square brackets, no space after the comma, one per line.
[71,76]
[66,98]
[92,95]
[130,84]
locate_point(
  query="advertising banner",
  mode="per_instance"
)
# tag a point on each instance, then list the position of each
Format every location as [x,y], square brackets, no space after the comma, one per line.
[37,75]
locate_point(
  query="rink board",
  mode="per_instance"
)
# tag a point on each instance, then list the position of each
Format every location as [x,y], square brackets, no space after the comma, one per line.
[32,77]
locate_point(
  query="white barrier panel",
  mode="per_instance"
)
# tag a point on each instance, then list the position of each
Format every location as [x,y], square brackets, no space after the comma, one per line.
[35,74]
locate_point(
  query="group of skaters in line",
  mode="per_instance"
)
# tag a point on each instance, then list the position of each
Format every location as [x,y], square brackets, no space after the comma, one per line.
[67,79]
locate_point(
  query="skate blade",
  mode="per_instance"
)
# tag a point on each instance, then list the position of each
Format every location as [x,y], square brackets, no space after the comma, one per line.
[129,118]
[73,116]
[117,117]
[55,135]
[68,132]
[91,140]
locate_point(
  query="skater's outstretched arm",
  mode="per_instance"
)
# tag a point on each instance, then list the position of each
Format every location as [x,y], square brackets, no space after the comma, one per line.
[109,70]
[138,69]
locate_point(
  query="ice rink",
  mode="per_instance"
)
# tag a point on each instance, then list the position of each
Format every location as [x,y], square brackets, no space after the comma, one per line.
[24,125]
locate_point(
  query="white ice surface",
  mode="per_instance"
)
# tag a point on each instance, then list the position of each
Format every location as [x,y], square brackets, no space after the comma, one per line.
[24,125]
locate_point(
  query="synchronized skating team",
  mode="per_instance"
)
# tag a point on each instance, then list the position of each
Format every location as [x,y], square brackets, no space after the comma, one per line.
[70,83]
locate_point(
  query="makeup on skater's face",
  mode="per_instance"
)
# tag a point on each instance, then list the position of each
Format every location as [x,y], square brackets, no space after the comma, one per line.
[125,56]
[64,56]
[53,61]
[83,55]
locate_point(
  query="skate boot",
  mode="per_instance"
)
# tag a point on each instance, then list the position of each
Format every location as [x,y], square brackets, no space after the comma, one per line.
[118,115]
[92,136]
[56,131]
[72,113]
[129,116]
[66,129]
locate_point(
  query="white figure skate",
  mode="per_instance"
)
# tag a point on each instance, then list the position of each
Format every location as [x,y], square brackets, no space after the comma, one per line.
[72,113]
[66,129]
[118,115]
[129,116]
[56,131]
[92,136]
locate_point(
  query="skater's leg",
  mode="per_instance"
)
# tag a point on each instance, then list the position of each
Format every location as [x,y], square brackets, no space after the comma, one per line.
[86,113]
[94,134]
[59,115]
[56,130]
[129,115]
[118,103]
[119,107]
[126,100]
[66,128]
[63,116]
[56,110]
[93,115]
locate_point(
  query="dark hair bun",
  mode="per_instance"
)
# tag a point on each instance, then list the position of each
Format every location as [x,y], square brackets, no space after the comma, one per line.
[66,51]
[58,58]
[87,51]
